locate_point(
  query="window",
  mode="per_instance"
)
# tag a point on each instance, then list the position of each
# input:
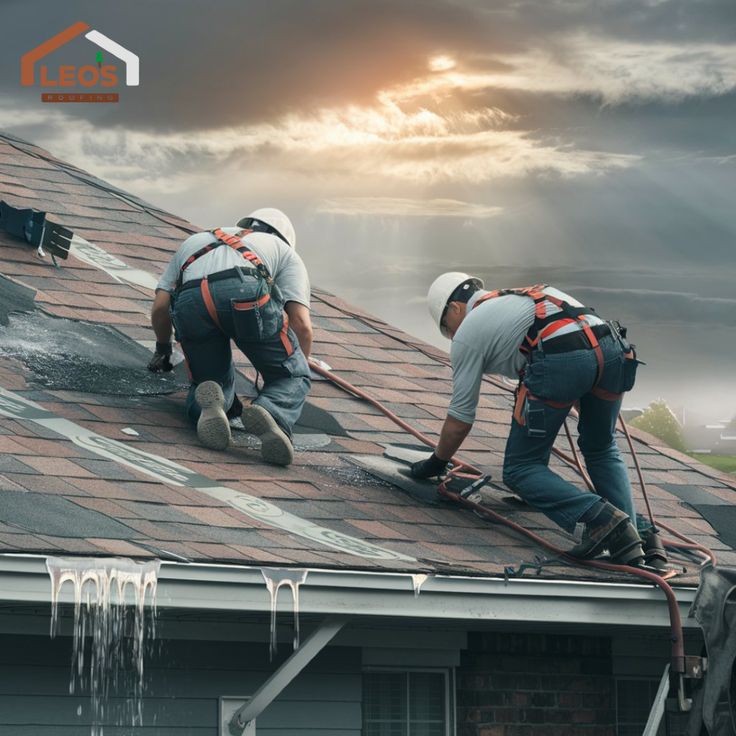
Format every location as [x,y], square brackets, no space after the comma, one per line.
[407,703]
[634,699]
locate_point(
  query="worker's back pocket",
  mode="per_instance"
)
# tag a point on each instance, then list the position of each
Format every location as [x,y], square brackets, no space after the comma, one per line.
[256,319]
[630,366]
[619,372]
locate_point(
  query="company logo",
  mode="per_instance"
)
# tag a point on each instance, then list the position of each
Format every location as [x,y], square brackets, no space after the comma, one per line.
[92,82]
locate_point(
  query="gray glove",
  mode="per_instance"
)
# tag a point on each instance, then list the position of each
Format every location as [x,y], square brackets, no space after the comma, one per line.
[161,360]
[428,468]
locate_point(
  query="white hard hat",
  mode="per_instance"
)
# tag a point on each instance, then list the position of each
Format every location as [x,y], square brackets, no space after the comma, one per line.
[275,219]
[443,287]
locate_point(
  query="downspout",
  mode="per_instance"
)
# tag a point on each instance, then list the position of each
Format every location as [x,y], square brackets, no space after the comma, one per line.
[284,675]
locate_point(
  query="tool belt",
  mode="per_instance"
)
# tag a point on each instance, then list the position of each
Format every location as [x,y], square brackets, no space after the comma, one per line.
[229,273]
[573,340]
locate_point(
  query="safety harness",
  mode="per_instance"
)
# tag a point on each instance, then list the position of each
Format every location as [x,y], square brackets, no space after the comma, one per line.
[234,242]
[551,314]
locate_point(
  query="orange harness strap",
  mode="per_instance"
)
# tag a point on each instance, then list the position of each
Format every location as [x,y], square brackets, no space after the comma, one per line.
[545,327]
[523,395]
[284,335]
[209,302]
[595,345]
[245,306]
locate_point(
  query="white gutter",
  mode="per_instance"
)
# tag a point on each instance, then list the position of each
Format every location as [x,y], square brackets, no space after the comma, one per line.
[369,595]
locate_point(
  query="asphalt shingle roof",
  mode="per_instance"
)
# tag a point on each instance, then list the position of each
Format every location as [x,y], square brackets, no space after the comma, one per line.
[60,496]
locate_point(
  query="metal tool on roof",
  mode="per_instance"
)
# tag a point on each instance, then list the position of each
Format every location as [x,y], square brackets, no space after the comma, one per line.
[464,486]
[33,227]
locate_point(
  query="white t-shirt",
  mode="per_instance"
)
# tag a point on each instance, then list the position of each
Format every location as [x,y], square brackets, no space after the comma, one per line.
[488,341]
[283,263]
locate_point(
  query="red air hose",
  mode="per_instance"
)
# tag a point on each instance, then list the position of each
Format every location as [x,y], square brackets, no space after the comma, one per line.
[678,648]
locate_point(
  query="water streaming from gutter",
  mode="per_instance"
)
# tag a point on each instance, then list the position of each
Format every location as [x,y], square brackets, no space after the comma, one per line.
[110,597]
[276,578]
[417,580]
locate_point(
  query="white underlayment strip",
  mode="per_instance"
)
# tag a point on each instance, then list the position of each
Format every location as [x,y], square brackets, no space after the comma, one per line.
[112,266]
[18,407]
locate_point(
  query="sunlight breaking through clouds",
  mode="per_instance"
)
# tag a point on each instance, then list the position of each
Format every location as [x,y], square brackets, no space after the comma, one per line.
[418,132]
[441,63]
[378,143]
[613,71]
[406,207]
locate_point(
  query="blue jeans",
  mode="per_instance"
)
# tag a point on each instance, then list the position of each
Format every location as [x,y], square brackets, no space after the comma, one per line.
[255,322]
[567,377]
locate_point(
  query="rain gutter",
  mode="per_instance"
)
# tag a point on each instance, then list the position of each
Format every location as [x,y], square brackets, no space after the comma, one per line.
[203,587]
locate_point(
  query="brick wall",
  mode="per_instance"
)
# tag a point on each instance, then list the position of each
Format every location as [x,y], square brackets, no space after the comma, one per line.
[535,685]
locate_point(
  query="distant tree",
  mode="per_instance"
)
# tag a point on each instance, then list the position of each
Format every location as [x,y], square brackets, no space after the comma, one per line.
[659,420]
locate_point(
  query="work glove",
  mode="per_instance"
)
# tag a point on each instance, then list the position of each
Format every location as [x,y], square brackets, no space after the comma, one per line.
[428,468]
[161,360]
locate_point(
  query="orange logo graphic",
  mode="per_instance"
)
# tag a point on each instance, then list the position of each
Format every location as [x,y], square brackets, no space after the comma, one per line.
[70,78]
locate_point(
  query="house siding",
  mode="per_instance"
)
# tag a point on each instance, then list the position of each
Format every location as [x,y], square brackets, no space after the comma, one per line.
[184,681]
[522,684]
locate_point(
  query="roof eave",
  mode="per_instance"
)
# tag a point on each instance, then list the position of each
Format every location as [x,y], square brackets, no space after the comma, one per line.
[213,587]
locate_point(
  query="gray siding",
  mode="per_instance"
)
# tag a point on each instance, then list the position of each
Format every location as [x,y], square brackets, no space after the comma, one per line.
[184,682]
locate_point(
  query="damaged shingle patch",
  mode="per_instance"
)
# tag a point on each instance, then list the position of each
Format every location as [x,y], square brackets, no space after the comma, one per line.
[64,354]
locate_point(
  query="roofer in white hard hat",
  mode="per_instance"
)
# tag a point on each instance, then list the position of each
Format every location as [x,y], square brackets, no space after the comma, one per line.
[562,353]
[246,284]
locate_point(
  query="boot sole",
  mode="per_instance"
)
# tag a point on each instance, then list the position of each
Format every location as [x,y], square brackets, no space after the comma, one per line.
[276,447]
[632,555]
[213,427]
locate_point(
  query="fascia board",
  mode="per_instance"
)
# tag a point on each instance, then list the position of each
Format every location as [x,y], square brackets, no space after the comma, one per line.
[381,595]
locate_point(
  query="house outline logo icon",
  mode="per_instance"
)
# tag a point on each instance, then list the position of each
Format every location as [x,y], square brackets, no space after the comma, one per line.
[131,60]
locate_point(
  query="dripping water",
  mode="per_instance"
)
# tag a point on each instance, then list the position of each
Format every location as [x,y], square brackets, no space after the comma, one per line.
[417,580]
[109,631]
[276,578]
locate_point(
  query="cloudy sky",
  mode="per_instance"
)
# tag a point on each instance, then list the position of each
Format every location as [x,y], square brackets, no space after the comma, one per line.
[588,144]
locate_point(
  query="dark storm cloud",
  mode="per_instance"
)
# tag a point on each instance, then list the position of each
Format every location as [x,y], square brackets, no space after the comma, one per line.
[207,65]
[698,126]
[678,21]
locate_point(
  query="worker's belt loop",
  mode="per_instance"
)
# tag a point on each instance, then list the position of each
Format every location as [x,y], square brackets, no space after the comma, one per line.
[209,302]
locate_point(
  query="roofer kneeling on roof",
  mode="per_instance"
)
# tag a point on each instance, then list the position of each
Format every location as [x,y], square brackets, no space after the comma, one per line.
[245,284]
[562,354]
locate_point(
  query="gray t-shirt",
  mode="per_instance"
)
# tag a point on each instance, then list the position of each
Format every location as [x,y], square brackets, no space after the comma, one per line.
[488,341]
[283,263]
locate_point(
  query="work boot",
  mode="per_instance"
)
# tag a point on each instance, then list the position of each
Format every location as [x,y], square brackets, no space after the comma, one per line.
[609,528]
[654,554]
[276,447]
[213,428]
